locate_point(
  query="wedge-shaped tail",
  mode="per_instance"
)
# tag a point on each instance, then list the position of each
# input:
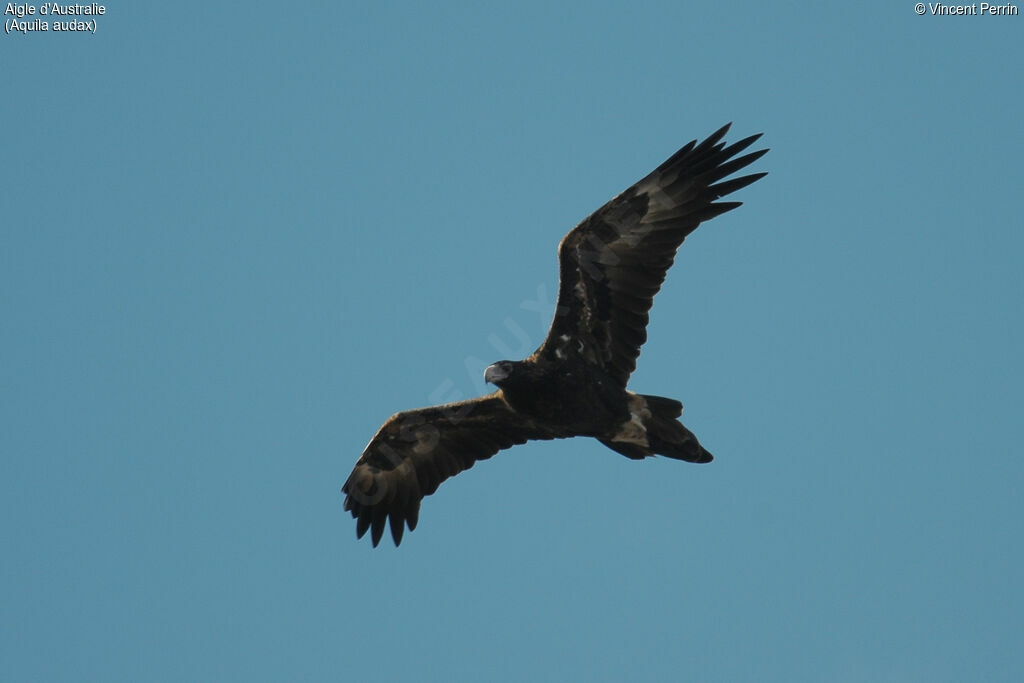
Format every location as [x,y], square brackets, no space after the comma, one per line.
[654,430]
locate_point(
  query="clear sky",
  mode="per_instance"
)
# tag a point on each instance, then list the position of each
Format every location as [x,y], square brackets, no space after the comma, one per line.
[237,237]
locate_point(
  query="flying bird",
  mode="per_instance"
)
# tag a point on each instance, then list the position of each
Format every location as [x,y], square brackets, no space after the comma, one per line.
[610,267]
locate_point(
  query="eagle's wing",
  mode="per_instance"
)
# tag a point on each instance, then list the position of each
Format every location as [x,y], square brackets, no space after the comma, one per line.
[613,263]
[416,450]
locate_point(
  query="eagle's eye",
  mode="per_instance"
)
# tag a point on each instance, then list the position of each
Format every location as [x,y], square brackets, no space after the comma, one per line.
[497,372]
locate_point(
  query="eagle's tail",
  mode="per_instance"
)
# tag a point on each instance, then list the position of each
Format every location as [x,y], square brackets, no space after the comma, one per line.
[661,433]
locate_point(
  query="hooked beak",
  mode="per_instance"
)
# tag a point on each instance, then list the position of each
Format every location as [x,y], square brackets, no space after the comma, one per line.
[494,374]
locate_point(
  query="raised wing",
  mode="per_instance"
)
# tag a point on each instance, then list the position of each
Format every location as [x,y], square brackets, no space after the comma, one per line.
[613,263]
[416,450]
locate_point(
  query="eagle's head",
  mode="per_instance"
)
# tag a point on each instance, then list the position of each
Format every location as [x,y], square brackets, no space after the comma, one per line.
[499,372]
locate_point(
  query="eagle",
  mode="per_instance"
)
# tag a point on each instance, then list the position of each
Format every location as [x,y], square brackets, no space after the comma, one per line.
[610,267]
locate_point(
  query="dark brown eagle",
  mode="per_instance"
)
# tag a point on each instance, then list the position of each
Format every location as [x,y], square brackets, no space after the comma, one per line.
[610,266]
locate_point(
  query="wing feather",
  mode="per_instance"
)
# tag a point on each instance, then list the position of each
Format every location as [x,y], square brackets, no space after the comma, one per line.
[416,450]
[614,262]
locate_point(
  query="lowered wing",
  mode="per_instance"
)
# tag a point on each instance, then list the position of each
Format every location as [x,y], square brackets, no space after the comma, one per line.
[416,450]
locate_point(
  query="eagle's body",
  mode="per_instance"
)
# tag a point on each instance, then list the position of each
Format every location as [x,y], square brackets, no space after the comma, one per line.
[572,399]
[611,266]
[566,396]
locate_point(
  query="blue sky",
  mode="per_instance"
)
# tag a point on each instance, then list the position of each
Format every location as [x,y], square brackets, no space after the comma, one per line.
[235,240]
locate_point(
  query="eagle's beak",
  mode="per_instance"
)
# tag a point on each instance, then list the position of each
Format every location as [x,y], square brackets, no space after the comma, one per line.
[494,374]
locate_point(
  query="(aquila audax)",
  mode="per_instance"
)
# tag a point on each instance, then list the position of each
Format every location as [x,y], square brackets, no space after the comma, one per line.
[611,266]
